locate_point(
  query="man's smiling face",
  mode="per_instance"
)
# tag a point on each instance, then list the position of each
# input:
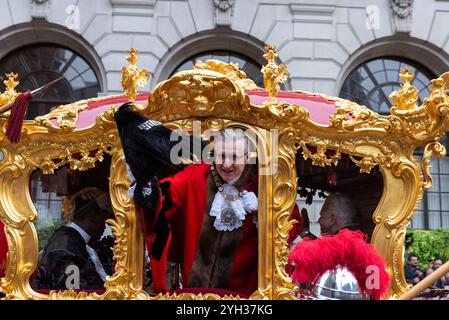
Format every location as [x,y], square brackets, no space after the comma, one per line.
[230,158]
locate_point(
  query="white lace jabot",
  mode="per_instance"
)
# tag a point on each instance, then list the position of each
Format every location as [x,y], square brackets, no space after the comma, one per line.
[246,203]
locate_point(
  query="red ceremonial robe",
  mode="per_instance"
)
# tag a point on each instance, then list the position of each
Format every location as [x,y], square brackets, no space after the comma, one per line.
[188,191]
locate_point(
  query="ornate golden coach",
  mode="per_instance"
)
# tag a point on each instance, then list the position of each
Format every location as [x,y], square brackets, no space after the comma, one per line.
[308,138]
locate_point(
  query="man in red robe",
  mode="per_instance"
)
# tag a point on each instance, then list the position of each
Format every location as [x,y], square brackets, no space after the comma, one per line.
[216,248]
[203,216]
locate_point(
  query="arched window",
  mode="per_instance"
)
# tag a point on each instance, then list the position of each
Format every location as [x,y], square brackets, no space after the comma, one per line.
[40,64]
[370,84]
[247,65]
[37,65]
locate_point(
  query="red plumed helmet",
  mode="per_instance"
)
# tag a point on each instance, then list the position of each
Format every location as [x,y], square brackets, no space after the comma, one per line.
[348,249]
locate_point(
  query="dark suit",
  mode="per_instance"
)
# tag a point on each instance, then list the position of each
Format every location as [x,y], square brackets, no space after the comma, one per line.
[411,273]
[66,247]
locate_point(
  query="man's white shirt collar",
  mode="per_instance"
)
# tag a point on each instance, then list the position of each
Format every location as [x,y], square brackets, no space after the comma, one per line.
[80,230]
[92,253]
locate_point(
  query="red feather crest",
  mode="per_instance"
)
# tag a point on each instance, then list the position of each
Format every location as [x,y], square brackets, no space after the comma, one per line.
[312,258]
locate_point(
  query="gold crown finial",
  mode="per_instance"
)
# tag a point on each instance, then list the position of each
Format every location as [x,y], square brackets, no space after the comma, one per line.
[273,74]
[132,59]
[11,83]
[132,77]
[10,92]
[406,97]
[271,54]
[407,75]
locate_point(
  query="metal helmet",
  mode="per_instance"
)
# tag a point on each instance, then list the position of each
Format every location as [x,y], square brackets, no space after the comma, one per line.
[338,284]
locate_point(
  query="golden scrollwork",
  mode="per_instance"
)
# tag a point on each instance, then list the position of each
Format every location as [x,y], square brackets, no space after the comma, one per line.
[65,116]
[191,296]
[215,95]
[350,115]
[126,282]
[407,96]
[273,74]
[231,70]
[366,164]
[132,76]
[320,158]
[72,295]
[284,198]
[203,93]
[433,149]
[261,294]
[196,93]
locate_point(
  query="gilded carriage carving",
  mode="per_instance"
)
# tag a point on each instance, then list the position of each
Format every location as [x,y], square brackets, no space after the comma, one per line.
[220,95]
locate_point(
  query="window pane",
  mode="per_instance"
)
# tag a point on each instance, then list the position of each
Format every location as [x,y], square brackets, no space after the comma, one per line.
[445,218]
[392,76]
[444,165]
[384,107]
[380,77]
[434,219]
[444,183]
[38,65]
[445,201]
[362,72]
[434,165]
[367,84]
[80,65]
[391,65]
[433,201]
[186,66]
[418,220]
[89,77]
[375,65]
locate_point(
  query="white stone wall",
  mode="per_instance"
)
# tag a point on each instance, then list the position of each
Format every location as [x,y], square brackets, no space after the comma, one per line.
[317,39]
[320,41]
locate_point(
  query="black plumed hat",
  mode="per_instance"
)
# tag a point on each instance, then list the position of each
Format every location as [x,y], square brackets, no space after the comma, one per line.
[147,144]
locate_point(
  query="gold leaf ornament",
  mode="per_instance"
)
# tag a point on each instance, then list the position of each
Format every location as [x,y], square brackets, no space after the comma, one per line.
[273,74]
[132,76]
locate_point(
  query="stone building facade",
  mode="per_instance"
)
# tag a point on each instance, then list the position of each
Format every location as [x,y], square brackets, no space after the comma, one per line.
[324,43]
